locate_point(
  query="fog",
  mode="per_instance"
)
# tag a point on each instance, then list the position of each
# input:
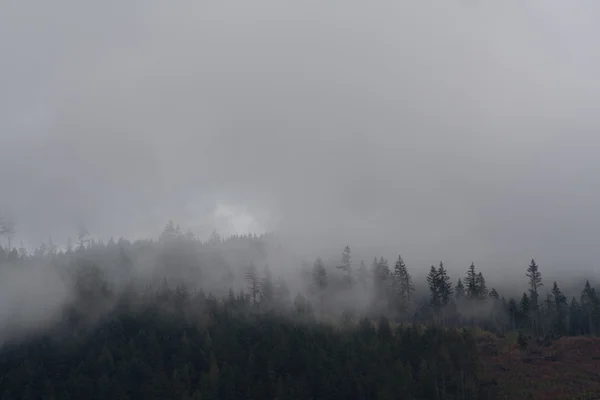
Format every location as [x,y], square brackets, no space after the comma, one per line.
[457,131]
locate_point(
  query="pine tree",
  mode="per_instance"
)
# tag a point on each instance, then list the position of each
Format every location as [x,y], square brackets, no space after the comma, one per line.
[590,307]
[481,288]
[445,285]
[440,287]
[434,288]
[560,307]
[253,282]
[535,281]
[319,275]
[471,283]
[346,264]
[403,285]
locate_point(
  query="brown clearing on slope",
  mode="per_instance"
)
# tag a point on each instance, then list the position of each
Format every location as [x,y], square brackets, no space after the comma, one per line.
[568,368]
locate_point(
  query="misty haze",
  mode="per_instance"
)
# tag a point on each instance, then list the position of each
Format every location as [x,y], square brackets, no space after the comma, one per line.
[299,200]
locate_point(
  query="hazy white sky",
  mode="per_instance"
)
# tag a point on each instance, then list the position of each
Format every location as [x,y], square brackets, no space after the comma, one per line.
[461,130]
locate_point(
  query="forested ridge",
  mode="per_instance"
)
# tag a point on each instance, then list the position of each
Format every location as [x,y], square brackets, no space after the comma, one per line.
[188,319]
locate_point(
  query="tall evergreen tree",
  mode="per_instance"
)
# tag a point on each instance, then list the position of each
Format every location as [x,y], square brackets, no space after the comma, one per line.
[535,281]
[471,283]
[575,318]
[481,291]
[560,310]
[403,285]
[346,264]
[445,285]
[434,288]
[590,308]
[253,282]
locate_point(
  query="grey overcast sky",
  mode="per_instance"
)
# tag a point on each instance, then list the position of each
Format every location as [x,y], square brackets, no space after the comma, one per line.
[457,130]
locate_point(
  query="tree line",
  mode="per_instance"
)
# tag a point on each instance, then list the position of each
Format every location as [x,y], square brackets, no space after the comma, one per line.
[214,320]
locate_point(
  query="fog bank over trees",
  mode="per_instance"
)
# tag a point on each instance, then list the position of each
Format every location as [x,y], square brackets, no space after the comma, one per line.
[396,126]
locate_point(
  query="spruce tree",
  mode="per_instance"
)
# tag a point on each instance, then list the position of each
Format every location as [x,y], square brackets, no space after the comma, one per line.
[445,285]
[440,287]
[471,282]
[575,318]
[253,282]
[346,265]
[535,281]
[560,309]
[403,285]
[434,288]
[590,307]
[481,291]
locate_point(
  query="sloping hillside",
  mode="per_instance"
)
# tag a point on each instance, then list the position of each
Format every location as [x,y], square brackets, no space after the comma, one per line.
[568,368]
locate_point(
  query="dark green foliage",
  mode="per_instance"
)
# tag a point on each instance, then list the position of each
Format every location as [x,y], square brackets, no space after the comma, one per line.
[471,282]
[440,286]
[535,281]
[476,286]
[228,351]
[346,265]
[403,287]
[254,338]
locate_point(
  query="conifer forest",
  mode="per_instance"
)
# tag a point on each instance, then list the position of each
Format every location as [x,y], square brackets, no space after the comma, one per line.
[299,200]
[180,318]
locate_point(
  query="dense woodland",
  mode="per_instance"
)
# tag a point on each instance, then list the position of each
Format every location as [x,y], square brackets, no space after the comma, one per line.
[180,318]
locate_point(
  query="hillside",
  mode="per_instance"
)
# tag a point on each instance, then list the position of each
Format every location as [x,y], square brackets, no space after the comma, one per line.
[568,368]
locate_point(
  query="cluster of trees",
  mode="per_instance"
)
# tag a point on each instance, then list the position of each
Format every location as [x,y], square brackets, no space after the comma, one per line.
[325,289]
[183,345]
[226,325]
